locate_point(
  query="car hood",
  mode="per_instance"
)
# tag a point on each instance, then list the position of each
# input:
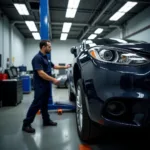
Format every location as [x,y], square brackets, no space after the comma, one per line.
[140,47]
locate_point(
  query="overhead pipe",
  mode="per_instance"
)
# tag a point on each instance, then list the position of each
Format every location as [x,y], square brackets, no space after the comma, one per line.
[79,24]
[56,23]
[75,24]
[98,18]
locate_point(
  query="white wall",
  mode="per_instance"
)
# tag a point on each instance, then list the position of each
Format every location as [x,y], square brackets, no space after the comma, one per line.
[31,49]
[18,48]
[18,43]
[114,34]
[1,39]
[60,51]
[144,36]
[6,40]
[138,22]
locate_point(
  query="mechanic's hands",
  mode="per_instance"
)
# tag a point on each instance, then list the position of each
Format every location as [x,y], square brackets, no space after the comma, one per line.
[56,82]
[68,66]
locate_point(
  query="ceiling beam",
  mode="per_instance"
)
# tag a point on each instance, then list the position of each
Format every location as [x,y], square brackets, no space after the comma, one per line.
[61,23]
[97,18]
[64,10]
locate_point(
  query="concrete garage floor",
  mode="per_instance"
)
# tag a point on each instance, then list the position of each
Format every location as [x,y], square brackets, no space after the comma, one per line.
[62,137]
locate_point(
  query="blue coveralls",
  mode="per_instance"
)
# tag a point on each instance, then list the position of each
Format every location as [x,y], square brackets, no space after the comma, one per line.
[42,89]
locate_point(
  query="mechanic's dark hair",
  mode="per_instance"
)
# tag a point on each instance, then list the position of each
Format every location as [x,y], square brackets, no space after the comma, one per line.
[43,43]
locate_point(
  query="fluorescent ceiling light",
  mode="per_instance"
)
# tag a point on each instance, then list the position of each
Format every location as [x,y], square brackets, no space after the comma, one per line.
[92,36]
[98,31]
[36,36]
[71,13]
[128,6]
[22,9]
[66,27]
[64,36]
[72,8]
[117,16]
[31,25]
[73,4]
[124,9]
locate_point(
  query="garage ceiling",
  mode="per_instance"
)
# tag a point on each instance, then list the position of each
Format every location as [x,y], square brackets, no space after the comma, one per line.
[87,12]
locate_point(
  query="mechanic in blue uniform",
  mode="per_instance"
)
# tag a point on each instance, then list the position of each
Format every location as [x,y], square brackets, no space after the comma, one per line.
[42,76]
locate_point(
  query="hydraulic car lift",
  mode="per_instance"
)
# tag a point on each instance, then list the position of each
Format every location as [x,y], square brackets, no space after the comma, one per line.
[44,33]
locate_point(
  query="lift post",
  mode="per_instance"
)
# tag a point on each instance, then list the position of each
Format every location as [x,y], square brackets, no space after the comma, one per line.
[45,35]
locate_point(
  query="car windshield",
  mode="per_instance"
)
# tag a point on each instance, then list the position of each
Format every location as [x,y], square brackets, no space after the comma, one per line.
[110,41]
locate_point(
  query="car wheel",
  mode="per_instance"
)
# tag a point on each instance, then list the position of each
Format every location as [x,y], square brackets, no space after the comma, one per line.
[66,84]
[87,129]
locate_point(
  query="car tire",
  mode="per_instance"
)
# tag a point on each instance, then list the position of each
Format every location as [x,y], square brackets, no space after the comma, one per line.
[87,129]
[72,97]
[66,84]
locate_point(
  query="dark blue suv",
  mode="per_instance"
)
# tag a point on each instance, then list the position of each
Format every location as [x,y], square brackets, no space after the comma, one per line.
[110,82]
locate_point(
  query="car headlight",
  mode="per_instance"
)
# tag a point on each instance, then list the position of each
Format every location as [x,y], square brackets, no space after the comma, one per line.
[62,78]
[118,56]
[59,78]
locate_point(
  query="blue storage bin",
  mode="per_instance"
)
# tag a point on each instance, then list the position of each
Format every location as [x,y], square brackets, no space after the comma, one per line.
[26,83]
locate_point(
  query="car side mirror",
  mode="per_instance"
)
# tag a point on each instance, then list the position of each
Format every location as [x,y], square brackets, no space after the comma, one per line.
[73,50]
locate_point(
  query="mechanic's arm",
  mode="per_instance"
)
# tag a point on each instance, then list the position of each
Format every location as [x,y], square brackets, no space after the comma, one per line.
[45,76]
[61,67]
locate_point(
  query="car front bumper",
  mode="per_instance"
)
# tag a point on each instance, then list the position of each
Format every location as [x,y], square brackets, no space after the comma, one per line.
[103,85]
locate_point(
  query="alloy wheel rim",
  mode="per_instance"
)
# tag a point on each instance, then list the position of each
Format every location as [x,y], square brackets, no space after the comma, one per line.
[79,110]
